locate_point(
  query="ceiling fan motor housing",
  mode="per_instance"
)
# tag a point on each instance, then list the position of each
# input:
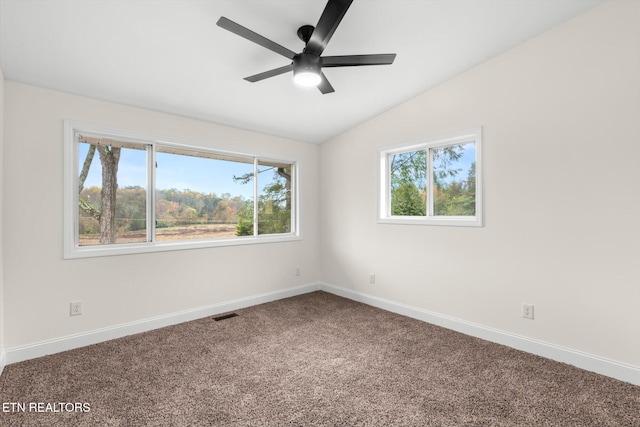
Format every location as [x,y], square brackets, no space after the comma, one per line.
[306,69]
[305,62]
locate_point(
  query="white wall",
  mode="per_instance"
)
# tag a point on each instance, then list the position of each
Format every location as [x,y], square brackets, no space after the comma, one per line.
[39,284]
[2,302]
[561,230]
[560,115]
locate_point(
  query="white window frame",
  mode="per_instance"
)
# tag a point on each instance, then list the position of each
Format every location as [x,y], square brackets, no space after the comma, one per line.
[384,180]
[70,241]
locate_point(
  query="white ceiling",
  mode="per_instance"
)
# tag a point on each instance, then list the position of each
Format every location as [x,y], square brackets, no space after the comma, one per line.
[169,55]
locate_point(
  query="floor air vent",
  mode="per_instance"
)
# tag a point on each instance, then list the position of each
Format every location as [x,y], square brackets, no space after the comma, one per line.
[224,317]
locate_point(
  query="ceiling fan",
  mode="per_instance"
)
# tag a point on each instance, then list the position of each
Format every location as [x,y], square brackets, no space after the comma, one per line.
[307,65]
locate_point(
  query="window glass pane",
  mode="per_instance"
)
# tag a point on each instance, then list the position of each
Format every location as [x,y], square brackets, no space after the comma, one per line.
[112,193]
[200,195]
[274,198]
[408,183]
[454,178]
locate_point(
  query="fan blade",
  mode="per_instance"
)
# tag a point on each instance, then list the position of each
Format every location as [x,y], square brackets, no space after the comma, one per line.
[356,60]
[238,29]
[333,13]
[324,86]
[270,73]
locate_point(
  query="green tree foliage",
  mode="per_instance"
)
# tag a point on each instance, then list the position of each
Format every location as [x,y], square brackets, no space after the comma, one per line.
[245,220]
[456,198]
[409,183]
[408,199]
[90,205]
[452,195]
[274,205]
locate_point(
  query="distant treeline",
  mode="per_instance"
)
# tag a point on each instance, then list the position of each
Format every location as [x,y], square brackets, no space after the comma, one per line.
[173,207]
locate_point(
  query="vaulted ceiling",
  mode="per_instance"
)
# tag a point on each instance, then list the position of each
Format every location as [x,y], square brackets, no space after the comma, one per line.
[169,55]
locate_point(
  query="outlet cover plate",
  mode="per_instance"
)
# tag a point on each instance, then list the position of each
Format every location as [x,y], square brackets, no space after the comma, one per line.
[75,308]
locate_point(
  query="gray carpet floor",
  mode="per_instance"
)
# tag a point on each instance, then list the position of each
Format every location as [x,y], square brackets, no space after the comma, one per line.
[312,360]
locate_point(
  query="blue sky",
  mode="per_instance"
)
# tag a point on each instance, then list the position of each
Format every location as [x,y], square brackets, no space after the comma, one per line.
[174,171]
[463,164]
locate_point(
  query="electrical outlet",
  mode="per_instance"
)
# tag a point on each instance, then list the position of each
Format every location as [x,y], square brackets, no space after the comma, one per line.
[75,308]
[372,278]
[527,311]
[298,271]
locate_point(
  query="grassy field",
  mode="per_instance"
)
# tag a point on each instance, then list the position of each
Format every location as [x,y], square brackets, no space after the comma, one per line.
[183,232]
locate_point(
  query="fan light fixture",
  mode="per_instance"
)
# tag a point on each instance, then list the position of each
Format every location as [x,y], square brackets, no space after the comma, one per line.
[306,70]
[306,79]
[307,65]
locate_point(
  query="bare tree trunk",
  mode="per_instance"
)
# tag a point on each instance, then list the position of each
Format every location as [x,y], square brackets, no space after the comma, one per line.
[85,167]
[84,205]
[109,158]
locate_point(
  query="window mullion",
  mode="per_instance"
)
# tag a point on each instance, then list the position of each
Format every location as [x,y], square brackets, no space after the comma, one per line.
[387,186]
[255,197]
[151,192]
[430,180]
[76,184]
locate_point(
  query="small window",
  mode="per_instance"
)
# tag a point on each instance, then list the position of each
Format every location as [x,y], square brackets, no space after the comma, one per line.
[129,194]
[436,181]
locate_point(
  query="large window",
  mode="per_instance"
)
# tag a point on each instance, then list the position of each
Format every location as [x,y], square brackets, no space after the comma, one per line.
[130,194]
[435,181]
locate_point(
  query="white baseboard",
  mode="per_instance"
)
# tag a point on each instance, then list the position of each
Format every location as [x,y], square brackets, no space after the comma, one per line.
[586,361]
[43,348]
[2,361]
[600,365]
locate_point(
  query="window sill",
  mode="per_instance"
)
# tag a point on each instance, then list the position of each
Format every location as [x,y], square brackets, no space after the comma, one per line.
[151,247]
[452,221]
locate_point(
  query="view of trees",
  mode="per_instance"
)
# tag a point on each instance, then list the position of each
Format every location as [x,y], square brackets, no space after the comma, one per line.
[120,214]
[409,183]
[274,204]
[105,214]
[453,193]
[173,208]
[111,212]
